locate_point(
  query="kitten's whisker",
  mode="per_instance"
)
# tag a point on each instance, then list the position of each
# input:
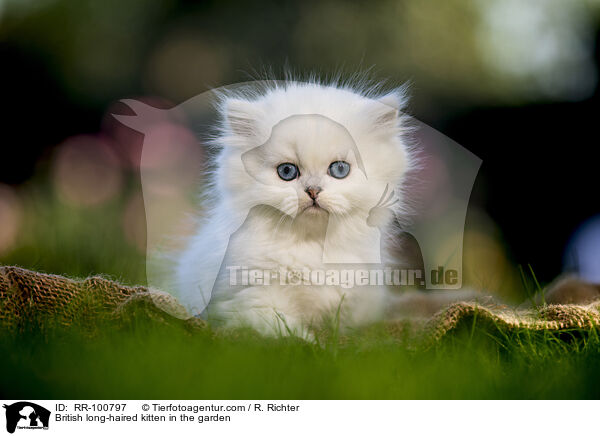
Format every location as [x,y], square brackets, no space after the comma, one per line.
[279,222]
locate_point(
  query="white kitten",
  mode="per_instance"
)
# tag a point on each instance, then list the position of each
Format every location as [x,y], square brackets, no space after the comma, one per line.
[302,171]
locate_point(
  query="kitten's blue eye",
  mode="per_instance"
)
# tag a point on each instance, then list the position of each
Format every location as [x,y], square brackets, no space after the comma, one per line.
[339,169]
[287,171]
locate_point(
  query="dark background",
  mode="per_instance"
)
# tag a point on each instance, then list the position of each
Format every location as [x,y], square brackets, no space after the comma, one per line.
[521,93]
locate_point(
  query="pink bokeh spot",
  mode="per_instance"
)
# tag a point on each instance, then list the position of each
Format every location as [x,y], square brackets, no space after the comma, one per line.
[86,171]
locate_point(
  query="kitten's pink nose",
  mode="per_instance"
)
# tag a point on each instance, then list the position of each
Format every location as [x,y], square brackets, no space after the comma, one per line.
[313,192]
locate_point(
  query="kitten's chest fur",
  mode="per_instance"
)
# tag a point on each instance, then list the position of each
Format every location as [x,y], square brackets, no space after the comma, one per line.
[274,241]
[292,251]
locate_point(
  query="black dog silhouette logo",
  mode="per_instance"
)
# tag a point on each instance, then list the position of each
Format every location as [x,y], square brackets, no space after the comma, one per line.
[26,415]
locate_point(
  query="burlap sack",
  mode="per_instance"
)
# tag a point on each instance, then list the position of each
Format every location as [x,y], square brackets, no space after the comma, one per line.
[25,294]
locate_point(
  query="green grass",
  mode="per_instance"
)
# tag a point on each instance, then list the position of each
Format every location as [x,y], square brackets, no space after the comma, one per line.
[78,242]
[142,359]
[147,360]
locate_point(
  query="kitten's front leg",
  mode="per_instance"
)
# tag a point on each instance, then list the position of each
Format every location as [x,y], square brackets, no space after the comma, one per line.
[266,311]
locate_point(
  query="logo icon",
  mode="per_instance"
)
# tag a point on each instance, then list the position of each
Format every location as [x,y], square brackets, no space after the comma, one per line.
[429,206]
[26,415]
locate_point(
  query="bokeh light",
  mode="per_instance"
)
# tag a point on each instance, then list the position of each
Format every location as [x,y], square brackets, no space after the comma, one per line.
[134,222]
[127,140]
[184,64]
[86,172]
[582,255]
[172,158]
[11,212]
[486,262]
[546,45]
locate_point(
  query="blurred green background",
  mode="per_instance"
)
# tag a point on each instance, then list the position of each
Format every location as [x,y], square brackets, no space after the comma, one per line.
[515,82]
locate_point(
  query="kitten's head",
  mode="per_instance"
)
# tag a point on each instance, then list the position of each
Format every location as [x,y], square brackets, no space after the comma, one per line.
[310,151]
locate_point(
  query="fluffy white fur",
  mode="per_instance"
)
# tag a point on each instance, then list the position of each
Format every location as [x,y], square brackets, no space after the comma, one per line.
[311,125]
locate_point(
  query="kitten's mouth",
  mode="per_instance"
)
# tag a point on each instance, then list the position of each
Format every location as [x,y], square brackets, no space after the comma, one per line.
[314,208]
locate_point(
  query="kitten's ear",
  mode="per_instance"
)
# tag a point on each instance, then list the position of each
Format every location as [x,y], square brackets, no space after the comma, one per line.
[241,116]
[387,112]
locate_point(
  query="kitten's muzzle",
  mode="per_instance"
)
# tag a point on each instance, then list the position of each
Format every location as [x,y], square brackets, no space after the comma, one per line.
[313,192]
